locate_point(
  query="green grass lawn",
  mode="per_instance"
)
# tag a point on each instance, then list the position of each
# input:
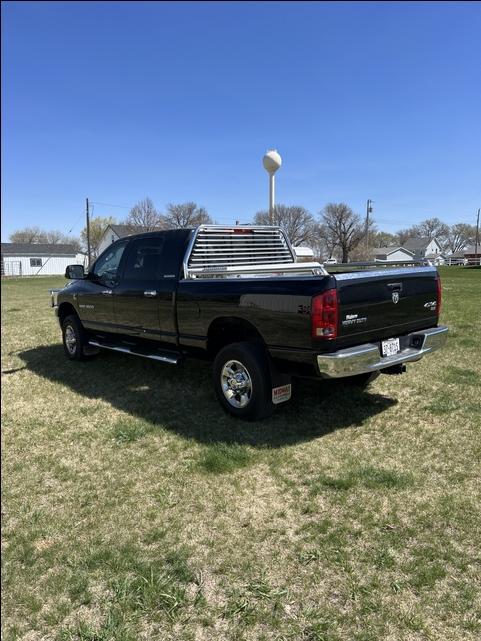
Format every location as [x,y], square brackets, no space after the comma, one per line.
[134,508]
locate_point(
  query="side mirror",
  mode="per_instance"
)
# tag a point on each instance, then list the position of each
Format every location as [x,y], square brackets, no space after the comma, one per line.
[75,272]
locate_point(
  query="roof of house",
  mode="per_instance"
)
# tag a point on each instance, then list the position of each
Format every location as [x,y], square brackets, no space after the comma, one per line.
[381,251]
[123,230]
[471,249]
[467,250]
[38,249]
[417,243]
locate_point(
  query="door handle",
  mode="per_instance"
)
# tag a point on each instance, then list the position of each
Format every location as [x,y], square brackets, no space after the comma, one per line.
[396,287]
[106,292]
[151,293]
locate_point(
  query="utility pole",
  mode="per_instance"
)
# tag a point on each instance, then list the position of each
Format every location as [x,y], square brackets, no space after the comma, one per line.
[477,238]
[88,229]
[368,211]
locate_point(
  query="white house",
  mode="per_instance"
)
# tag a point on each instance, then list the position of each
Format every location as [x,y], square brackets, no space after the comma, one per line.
[115,232]
[392,253]
[32,259]
[423,247]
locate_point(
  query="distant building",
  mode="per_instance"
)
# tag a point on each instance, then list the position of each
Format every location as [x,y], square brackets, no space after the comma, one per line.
[423,247]
[32,259]
[472,256]
[467,256]
[436,259]
[391,253]
[303,254]
[115,232]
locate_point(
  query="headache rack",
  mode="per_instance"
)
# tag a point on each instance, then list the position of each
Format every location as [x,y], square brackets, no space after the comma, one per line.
[217,251]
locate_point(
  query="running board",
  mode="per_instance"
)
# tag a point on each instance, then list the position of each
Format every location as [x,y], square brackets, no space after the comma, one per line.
[171,358]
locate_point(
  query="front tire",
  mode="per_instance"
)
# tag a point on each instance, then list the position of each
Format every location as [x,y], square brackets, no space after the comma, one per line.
[75,342]
[242,381]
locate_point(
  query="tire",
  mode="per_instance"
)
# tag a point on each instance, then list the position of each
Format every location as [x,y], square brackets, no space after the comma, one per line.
[249,396]
[75,342]
[362,381]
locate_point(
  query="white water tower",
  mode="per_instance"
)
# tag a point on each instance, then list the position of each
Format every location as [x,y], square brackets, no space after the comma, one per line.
[272,161]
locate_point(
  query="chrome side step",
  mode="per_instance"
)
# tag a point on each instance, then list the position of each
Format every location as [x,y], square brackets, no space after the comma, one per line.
[172,359]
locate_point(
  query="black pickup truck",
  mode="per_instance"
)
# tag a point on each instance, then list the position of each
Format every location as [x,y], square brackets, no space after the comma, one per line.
[237,296]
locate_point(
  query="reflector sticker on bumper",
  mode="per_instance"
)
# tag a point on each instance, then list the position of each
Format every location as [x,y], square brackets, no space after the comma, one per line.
[281,394]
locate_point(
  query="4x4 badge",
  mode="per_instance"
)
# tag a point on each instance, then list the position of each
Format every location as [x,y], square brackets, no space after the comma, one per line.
[395,297]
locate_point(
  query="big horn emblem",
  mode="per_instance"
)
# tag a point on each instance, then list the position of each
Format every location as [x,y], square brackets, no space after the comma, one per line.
[395,297]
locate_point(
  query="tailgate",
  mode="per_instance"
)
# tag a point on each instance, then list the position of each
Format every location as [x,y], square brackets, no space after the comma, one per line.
[382,304]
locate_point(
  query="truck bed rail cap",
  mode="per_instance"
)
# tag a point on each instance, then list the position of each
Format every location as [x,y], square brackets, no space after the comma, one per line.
[402,271]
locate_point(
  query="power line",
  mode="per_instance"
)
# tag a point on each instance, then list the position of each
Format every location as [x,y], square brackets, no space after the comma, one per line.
[96,202]
[75,224]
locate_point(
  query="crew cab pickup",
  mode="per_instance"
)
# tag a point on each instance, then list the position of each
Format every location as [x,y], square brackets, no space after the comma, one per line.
[237,296]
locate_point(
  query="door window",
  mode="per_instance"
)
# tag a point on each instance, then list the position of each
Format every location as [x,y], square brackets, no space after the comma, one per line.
[107,265]
[143,260]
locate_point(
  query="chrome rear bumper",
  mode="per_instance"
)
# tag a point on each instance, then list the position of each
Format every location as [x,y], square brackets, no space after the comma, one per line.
[367,358]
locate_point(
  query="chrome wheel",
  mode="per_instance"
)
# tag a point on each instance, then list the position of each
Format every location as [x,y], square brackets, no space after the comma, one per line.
[236,384]
[70,340]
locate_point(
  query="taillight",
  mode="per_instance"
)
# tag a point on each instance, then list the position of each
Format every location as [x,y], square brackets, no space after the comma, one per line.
[324,315]
[439,294]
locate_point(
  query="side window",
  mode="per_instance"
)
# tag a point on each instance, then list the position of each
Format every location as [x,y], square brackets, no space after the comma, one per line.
[107,265]
[143,259]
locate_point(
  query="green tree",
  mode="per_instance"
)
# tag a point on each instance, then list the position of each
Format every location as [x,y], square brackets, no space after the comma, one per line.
[382,239]
[98,225]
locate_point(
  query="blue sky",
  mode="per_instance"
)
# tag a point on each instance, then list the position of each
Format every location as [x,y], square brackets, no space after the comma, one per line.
[179,101]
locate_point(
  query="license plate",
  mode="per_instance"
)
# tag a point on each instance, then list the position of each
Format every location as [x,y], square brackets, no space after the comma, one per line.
[390,347]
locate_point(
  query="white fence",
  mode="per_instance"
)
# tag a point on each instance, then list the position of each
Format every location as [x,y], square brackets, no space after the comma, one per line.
[464,261]
[12,268]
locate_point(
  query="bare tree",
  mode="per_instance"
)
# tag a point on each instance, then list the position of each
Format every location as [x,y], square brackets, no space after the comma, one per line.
[97,227]
[433,228]
[186,215]
[343,227]
[36,236]
[296,221]
[459,236]
[404,234]
[145,215]
[28,235]
[54,237]
[74,241]
[324,243]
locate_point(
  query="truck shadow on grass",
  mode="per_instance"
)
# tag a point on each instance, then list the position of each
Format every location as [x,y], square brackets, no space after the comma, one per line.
[181,399]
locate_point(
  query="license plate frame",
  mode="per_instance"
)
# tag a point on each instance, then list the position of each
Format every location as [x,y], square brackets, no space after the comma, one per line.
[390,347]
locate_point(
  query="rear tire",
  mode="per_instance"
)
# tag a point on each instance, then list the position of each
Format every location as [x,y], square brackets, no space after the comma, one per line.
[242,381]
[75,341]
